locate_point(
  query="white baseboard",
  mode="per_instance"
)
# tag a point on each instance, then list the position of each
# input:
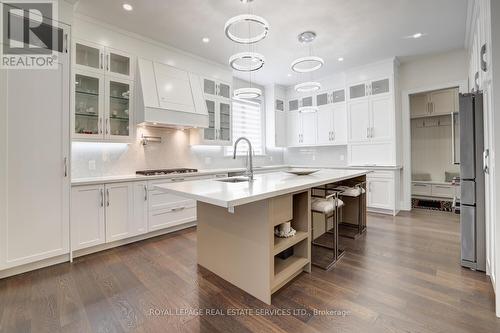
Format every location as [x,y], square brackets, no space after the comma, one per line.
[66,258]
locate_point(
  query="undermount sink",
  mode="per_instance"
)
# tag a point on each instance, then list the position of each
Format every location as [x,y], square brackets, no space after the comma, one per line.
[233,180]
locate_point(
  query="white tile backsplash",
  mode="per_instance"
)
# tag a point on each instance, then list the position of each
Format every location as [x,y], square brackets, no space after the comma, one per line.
[113,159]
[321,156]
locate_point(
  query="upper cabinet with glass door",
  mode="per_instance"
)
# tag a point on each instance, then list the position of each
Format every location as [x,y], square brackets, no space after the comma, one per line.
[103,94]
[106,60]
[217,96]
[369,88]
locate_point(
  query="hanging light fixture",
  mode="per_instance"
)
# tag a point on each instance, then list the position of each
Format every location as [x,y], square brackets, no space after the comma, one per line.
[307,86]
[248,19]
[248,61]
[307,64]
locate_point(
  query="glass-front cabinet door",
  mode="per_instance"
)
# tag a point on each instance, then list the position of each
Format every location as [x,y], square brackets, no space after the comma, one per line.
[224,90]
[224,133]
[119,64]
[209,87]
[88,107]
[209,133]
[118,109]
[89,56]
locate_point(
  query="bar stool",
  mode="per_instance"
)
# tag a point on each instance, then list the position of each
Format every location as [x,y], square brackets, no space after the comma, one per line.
[353,196]
[325,255]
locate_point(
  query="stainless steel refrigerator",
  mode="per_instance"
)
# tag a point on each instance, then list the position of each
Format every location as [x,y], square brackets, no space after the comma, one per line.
[472,197]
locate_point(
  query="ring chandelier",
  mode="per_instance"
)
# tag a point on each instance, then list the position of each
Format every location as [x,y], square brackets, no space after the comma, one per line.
[307,86]
[247,61]
[247,93]
[250,19]
[307,64]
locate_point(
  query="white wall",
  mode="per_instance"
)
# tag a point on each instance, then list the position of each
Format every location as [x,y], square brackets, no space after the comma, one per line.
[424,73]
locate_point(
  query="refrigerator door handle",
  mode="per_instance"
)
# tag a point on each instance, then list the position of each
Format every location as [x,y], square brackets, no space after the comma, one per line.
[453,143]
[486,154]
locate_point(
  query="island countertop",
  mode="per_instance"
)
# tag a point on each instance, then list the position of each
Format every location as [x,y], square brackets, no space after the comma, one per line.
[264,186]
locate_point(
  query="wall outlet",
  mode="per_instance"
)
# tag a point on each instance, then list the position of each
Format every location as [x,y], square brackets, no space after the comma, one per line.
[208,160]
[314,157]
[92,165]
[342,157]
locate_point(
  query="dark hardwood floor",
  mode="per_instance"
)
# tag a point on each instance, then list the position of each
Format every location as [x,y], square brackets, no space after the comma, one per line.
[402,276]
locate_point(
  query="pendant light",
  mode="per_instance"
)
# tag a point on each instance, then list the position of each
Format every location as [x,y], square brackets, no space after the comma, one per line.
[307,64]
[248,61]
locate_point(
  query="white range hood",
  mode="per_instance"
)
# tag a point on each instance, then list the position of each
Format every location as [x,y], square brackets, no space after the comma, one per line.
[169,97]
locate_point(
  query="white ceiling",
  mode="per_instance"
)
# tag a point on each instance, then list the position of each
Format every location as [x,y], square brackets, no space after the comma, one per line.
[360,31]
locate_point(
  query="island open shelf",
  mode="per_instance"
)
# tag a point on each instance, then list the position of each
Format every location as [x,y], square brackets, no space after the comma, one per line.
[236,221]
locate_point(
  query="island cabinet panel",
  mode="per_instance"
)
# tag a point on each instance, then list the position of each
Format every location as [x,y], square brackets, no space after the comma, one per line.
[241,247]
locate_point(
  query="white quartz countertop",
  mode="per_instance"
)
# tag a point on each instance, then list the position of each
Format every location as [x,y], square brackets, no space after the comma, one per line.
[269,168]
[134,177]
[264,186]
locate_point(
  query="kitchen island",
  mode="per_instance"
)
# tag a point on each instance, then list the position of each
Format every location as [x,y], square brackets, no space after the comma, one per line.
[236,221]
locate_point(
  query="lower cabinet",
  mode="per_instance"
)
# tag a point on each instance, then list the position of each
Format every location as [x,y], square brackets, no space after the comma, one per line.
[106,213]
[87,216]
[383,191]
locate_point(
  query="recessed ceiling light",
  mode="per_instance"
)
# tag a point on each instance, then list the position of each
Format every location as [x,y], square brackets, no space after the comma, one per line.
[289,75]
[127,7]
[417,35]
[340,59]
[205,40]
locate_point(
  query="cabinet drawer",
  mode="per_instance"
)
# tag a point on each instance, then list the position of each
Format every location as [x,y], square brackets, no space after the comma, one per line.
[372,154]
[165,218]
[421,189]
[281,209]
[443,191]
[163,200]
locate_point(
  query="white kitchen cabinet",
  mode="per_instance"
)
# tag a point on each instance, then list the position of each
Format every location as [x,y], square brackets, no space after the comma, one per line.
[359,123]
[140,219]
[308,127]
[380,193]
[35,162]
[119,199]
[293,128]
[87,216]
[383,191]
[301,128]
[217,96]
[419,105]
[371,119]
[89,56]
[331,125]
[369,88]
[103,108]
[103,94]
[280,129]
[89,105]
[118,122]
[382,118]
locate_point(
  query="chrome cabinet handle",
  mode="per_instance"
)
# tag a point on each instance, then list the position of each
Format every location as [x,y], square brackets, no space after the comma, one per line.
[453,143]
[107,62]
[107,122]
[65,43]
[102,61]
[444,187]
[178,209]
[420,185]
[484,65]
[65,167]
[486,154]
[371,132]
[99,125]
[367,132]
[145,193]
[334,134]
[107,197]
[102,197]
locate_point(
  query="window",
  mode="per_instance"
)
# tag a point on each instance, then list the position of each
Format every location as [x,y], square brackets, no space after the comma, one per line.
[247,122]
